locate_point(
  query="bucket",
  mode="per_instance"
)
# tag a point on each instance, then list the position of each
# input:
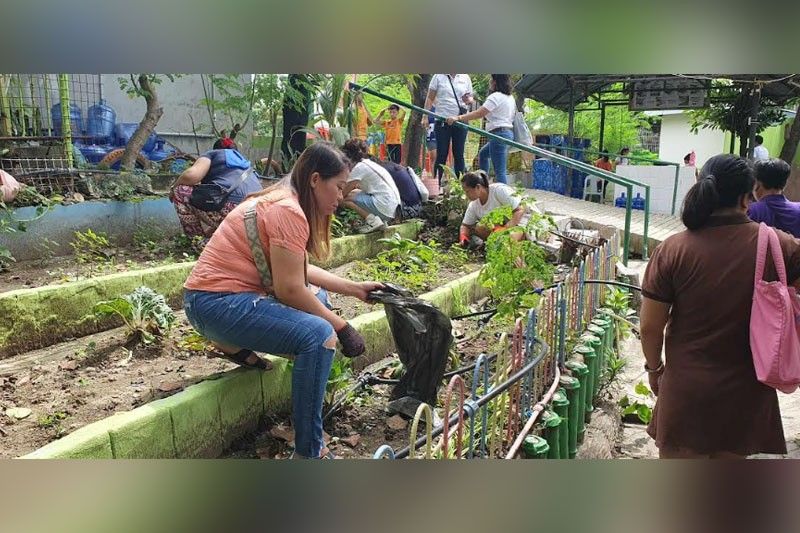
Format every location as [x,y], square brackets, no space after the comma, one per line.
[432,184]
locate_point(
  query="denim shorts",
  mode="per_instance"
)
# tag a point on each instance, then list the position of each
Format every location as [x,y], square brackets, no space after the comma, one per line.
[367,202]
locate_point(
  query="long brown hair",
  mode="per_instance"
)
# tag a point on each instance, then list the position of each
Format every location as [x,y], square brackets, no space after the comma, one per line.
[326,159]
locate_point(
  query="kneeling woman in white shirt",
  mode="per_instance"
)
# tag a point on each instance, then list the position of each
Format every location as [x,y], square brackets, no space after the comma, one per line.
[485,197]
[370,189]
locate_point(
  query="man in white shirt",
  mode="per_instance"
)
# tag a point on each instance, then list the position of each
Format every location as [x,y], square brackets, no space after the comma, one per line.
[760,153]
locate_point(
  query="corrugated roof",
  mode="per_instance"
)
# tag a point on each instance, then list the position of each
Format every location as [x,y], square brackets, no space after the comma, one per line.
[554,89]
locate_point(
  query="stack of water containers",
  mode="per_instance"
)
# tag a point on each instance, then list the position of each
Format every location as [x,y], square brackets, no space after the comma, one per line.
[103,133]
[637,203]
[551,176]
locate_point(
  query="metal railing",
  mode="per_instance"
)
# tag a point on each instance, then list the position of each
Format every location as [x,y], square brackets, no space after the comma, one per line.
[510,390]
[660,162]
[558,158]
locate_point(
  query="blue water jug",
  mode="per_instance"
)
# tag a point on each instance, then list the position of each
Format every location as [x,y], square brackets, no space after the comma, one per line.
[620,201]
[94,153]
[100,120]
[638,202]
[159,153]
[123,132]
[75,119]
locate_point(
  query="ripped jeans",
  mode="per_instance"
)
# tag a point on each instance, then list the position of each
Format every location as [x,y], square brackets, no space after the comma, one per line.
[261,323]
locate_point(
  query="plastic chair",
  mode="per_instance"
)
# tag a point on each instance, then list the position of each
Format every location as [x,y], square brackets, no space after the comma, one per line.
[593,186]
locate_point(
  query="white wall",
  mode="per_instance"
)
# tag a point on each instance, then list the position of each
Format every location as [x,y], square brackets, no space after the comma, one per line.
[662,184]
[677,140]
[179,99]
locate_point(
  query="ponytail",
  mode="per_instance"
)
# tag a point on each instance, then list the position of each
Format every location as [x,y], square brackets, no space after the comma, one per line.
[724,179]
[701,200]
[475,178]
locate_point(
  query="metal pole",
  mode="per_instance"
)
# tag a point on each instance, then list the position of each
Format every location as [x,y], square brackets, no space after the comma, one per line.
[753,120]
[570,132]
[66,117]
[627,239]
[647,221]
[602,124]
[674,189]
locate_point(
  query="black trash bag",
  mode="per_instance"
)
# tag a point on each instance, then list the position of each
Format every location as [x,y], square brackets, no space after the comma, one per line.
[423,336]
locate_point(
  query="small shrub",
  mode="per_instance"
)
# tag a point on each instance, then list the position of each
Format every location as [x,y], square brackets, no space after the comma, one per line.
[145,313]
[91,247]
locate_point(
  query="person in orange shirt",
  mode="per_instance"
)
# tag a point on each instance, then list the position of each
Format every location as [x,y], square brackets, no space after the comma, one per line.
[392,127]
[605,163]
[252,289]
[363,118]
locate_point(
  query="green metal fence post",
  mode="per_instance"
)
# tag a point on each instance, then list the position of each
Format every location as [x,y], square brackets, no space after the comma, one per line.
[572,386]
[590,360]
[561,407]
[580,371]
[646,223]
[675,187]
[535,447]
[66,117]
[552,422]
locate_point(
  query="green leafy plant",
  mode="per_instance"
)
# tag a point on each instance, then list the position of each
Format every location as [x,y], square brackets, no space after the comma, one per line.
[9,223]
[51,420]
[618,300]
[145,313]
[338,379]
[90,247]
[514,272]
[640,403]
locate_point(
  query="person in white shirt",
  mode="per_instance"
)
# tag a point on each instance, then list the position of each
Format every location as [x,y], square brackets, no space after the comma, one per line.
[499,110]
[760,152]
[370,190]
[485,197]
[452,94]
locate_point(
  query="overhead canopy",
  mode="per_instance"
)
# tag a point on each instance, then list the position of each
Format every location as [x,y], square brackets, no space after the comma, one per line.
[554,89]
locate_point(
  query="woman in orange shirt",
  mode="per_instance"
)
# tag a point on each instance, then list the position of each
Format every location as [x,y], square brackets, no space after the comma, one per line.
[249,290]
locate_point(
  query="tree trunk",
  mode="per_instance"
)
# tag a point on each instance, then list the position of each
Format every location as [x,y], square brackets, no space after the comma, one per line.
[274,118]
[790,144]
[146,126]
[415,132]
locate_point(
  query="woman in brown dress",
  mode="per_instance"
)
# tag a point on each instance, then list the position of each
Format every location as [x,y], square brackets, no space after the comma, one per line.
[699,285]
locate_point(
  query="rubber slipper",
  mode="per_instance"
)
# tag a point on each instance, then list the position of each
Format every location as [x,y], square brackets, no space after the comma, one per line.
[241,358]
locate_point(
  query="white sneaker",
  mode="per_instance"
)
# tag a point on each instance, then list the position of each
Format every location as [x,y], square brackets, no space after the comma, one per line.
[372,223]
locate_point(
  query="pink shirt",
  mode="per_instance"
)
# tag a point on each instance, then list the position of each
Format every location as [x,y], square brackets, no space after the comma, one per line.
[226,264]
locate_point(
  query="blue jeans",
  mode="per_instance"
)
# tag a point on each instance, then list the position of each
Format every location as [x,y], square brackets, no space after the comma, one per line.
[498,153]
[444,135]
[261,323]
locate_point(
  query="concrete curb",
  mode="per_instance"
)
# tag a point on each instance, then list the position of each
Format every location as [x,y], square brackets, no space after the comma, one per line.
[44,315]
[204,419]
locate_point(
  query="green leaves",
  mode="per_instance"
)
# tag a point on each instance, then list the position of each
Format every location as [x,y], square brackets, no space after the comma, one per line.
[144,311]
[514,272]
[640,404]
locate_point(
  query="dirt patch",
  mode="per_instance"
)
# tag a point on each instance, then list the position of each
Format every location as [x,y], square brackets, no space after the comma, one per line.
[363,424]
[348,307]
[93,379]
[65,269]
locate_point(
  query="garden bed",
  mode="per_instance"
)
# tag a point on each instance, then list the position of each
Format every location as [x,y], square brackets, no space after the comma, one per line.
[52,313]
[80,382]
[362,424]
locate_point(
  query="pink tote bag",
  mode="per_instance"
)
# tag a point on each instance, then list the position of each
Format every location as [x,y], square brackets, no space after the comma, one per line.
[774,337]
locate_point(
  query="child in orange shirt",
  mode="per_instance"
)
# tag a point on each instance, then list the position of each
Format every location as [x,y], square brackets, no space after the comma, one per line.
[392,128]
